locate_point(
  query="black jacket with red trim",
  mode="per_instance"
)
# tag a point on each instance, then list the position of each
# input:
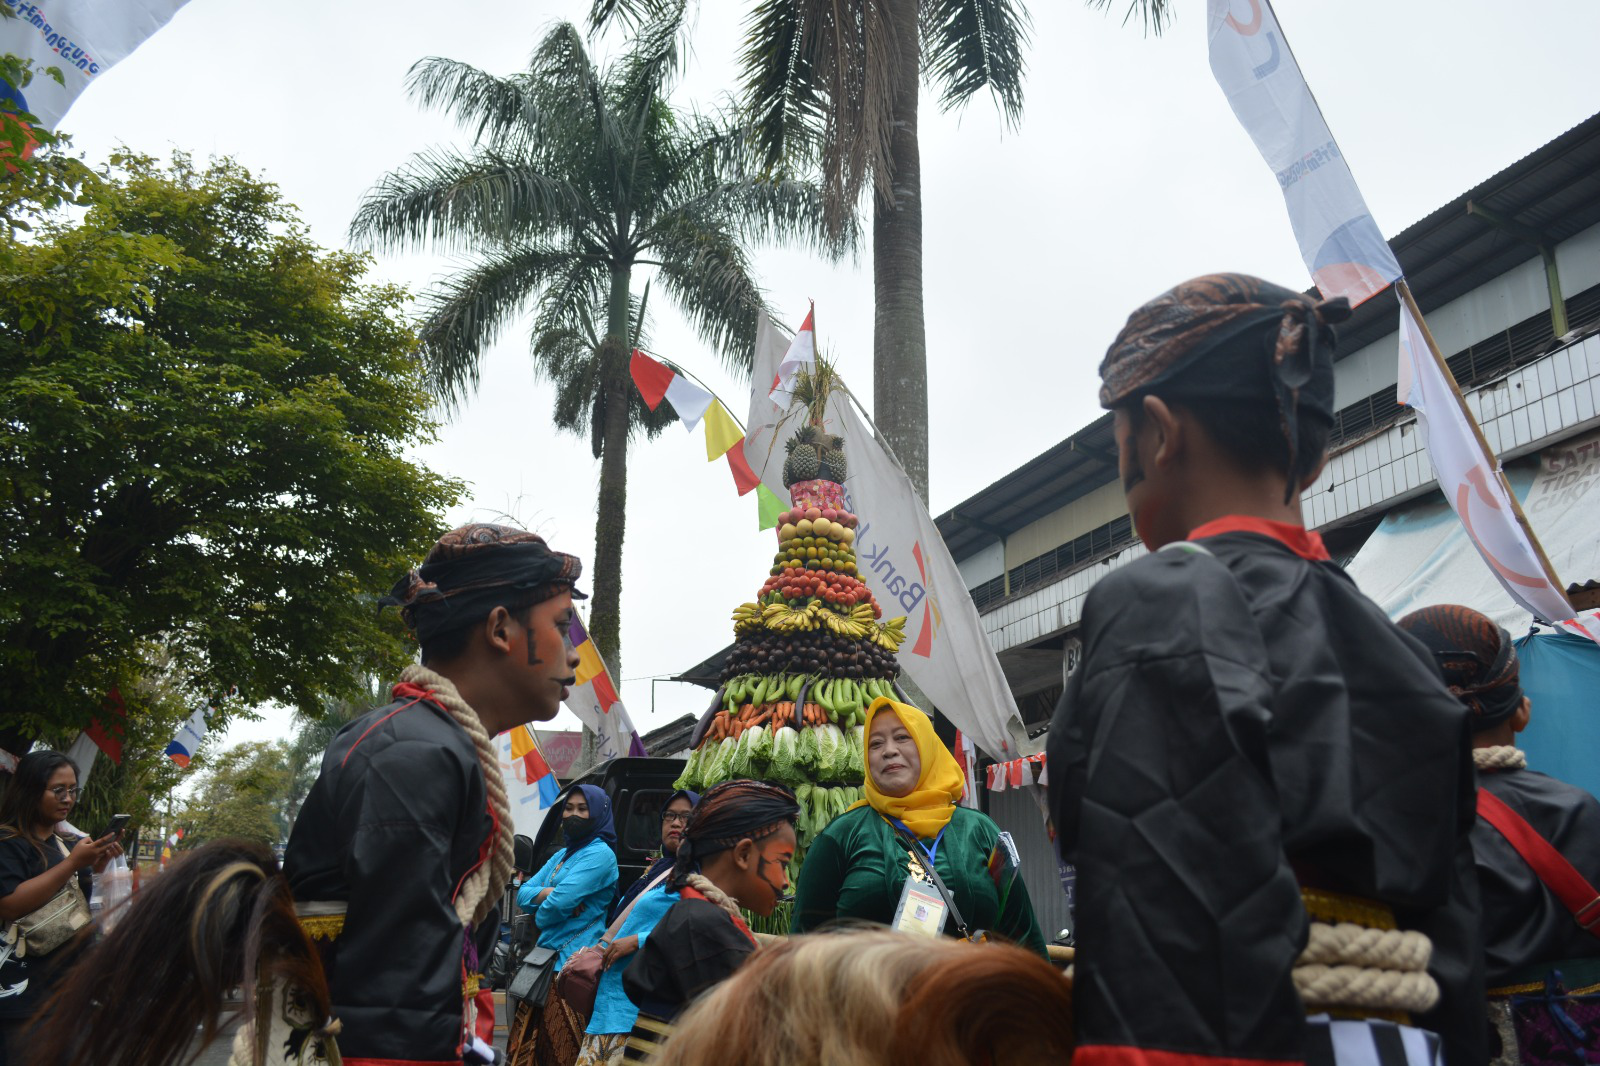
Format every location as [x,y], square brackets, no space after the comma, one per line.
[396,819]
[1244,721]
[1524,923]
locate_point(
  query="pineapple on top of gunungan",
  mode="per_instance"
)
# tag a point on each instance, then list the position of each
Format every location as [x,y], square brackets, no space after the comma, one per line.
[811,652]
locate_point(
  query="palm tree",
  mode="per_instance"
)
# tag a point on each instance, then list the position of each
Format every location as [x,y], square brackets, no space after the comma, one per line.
[576,178]
[835,82]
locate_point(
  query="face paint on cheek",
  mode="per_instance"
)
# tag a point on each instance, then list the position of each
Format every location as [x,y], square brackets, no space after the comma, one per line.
[761,872]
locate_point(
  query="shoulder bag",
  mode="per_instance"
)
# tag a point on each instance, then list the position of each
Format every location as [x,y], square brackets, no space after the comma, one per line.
[53,924]
[579,979]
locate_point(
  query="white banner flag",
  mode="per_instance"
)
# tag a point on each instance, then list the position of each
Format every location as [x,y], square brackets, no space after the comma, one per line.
[903,560]
[81,38]
[1339,241]
[1470,479]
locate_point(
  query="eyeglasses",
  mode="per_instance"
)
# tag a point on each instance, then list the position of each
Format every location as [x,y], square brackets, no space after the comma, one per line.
[63,791]
[668,817]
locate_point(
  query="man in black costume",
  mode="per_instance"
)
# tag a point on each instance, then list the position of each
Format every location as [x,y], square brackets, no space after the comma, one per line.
[1251,758]
[403,846]
[1528,930]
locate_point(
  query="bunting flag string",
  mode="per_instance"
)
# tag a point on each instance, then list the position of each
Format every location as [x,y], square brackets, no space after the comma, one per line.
[656,381]
[1015,773]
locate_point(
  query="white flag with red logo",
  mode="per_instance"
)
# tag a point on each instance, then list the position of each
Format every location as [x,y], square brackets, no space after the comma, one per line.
[1339,241]
[1470,479]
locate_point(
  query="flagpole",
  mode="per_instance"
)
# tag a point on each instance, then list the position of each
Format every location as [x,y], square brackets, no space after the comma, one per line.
[1404,292]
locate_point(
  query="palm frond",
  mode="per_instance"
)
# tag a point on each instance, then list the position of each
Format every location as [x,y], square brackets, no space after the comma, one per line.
[708,276]
[569,103]
[456,201]
[630,13]
[1155,14]
[968,45]
[773,211]
[493,109]
[463,315]
[823,73]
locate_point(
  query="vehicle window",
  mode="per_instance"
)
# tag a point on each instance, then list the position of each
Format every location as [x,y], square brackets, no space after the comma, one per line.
[643,829]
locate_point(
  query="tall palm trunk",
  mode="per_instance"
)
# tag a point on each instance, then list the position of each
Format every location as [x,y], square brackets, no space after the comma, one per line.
[899,338]
[605,615]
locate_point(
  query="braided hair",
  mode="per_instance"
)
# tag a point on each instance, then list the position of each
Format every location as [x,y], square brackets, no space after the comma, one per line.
[728,813]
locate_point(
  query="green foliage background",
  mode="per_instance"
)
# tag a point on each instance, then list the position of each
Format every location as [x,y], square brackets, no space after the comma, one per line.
[204,420]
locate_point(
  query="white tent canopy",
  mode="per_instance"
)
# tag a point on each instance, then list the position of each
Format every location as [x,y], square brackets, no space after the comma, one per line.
[1420,554]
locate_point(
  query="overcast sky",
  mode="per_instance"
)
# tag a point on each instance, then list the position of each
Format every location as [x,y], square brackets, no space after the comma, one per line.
[1127,174]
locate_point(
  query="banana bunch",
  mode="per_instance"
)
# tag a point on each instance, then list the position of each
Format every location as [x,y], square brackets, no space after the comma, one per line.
[891,634]
[747,616]
[845,627]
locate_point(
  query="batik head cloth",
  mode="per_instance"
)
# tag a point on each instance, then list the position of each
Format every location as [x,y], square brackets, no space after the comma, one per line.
[476,568]
[1230,337]
[1477,657]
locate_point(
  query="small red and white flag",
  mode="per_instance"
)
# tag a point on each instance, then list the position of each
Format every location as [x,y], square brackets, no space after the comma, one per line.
[802,353]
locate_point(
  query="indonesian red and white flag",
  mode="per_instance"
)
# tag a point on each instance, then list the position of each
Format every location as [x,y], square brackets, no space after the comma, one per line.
[1470,479]
[802,353]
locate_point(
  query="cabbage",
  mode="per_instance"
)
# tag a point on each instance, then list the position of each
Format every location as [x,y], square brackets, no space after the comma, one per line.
[806,753]
[856,764]
[802,826]
[760,752]
[739,762]
[832,757]
[690,778]
[718,768]
[785,748]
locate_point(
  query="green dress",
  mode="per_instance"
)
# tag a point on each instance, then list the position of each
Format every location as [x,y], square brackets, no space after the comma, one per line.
[857,869]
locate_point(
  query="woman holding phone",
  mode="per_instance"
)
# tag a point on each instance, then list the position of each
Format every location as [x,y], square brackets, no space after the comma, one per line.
[36,866]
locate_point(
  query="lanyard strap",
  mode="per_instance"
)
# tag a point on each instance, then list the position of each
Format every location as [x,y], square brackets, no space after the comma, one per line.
[915,846]
[933,851]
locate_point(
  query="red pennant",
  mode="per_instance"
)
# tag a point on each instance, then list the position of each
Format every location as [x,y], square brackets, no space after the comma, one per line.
[110,740]
[651,377]
[743,477]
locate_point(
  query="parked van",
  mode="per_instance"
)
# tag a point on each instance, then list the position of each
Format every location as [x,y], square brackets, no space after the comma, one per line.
[638,789]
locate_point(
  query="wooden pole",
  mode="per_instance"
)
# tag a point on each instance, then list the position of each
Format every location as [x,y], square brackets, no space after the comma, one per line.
[1461,401]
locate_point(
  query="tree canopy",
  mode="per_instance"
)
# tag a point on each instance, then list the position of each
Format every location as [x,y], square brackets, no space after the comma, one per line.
[204,424]
[577,176]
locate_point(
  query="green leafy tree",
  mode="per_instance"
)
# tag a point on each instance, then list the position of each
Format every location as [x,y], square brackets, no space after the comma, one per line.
[204,421]
[31,173]
[244,792]
[834,83]
[576,179]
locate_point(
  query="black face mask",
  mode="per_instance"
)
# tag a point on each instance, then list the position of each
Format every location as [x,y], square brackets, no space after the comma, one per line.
[576,825]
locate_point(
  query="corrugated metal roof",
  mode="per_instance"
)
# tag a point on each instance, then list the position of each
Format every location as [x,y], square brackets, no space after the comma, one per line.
[1078,465]
[1555,190]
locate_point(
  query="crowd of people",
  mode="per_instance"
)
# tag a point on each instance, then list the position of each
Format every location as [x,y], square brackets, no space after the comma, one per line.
[1302,832]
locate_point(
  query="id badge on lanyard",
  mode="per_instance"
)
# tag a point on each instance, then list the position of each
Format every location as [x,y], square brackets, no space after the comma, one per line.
[922,909]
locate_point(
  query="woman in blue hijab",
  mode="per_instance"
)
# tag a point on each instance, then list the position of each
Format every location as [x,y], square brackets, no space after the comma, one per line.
[569,899]
[614,1013]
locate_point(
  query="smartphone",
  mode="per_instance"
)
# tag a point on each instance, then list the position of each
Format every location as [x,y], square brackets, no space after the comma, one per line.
[118,823]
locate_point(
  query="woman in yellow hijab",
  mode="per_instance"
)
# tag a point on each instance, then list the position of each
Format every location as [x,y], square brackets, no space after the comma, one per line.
[872,863]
